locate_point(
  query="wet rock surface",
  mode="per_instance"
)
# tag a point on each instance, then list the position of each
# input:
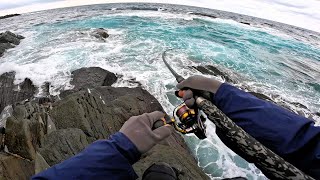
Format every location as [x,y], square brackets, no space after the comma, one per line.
[92,77]
[43,134]
[100,33]
[11,93]
[8,40]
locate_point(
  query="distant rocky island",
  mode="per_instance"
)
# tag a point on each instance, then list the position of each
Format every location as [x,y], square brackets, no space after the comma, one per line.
[9,15]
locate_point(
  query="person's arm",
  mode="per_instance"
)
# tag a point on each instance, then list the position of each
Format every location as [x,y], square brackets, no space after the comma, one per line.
[112,158]
[291,136]
[103,159]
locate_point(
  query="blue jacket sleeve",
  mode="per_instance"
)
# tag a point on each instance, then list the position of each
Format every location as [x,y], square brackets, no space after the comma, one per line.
[291,136]
[103,159]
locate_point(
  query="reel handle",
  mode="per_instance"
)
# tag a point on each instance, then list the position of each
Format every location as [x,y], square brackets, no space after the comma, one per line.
[163,121]
[196,93]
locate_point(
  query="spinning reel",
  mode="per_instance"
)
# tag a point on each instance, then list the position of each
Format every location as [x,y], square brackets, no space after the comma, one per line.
[185,121]
[189,121]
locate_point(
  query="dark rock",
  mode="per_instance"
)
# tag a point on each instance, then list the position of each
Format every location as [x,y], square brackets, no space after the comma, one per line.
[8,40]
[10,93]
[62,144]
[25,130]
[144,8]
[14,35]
[46,89]
[44,100]
[103,111]
[205,15]
[245,23]
[4,47]
[100,33]
[12,167]
[92,77]
[212,70]
[40,163]
[317,113]
[9,37]
[269,24]
[65,93]
[296,104]
[9,15]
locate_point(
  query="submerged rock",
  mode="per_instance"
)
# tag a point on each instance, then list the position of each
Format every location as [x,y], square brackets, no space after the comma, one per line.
[100,33]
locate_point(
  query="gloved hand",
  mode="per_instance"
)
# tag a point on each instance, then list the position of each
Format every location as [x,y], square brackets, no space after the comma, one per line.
[139,130]
[198,83]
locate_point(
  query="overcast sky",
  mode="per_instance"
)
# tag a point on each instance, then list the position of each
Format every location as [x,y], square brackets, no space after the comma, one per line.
[302,13]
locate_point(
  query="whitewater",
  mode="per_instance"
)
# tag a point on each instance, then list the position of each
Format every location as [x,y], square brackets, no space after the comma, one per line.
[261,59]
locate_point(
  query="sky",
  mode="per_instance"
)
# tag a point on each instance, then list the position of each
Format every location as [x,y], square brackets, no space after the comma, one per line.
[301,13]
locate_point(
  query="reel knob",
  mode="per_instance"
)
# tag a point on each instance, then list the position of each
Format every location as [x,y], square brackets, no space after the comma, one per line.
[163,121]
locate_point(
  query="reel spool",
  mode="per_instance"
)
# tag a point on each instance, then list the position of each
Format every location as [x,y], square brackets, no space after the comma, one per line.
[189,121]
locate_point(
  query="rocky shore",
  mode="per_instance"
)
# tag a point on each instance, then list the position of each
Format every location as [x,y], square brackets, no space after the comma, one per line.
[41,132]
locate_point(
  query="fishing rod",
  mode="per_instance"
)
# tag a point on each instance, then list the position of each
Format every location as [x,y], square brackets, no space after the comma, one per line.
[271,164]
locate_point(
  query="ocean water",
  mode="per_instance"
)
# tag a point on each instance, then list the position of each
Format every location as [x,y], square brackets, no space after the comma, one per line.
[266,60]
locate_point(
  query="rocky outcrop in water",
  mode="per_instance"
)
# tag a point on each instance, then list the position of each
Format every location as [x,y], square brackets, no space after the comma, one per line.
[42,135]
[100,33]
[8,40]
[215,71]
[9,16]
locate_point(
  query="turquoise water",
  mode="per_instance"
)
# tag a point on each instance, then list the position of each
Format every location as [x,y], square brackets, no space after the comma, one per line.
[263,59]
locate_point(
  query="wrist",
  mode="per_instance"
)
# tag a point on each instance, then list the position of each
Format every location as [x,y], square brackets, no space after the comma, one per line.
[126,147]
[215,85]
